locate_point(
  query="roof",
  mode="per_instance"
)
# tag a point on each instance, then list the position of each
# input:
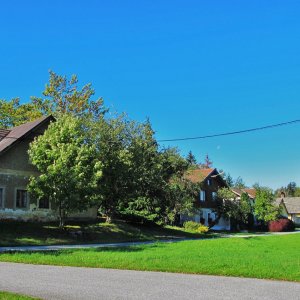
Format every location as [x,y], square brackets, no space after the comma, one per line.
[10,136]
[292,204]
[251,192]
[198,175]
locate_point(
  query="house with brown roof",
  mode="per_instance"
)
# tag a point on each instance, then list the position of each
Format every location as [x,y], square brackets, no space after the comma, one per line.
[210,181]
[15,171]
[290,208]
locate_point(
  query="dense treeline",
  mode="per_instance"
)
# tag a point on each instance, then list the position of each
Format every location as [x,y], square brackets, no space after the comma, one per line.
[88,157]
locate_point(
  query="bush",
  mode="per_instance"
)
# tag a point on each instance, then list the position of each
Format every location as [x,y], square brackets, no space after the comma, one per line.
[194,226]
[202,229]
[281,225]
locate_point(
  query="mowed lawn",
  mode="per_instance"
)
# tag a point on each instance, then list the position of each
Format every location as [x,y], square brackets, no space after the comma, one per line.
[12,296]
[274,257]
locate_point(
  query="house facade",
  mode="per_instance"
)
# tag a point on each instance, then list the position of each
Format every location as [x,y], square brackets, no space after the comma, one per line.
[289,208]
[210,182]
[15,171]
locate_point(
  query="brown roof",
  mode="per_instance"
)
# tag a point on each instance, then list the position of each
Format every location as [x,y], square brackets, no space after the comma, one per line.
[9,137]
[292,204]
[198,175]
[3,133]
[250,192]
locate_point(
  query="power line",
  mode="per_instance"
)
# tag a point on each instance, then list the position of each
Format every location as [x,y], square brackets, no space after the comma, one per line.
[231,133]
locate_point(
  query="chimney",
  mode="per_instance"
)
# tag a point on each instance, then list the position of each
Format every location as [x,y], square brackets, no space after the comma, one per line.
[282,195]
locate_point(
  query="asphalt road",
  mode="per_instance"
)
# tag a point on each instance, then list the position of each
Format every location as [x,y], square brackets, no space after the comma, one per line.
[51,282]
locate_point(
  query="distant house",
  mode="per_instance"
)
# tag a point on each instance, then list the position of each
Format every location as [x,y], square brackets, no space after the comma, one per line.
[290,207]
[210,182]
[250,192]
[15,171]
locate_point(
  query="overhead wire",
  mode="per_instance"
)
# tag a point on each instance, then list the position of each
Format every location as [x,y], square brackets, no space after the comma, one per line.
[230,133]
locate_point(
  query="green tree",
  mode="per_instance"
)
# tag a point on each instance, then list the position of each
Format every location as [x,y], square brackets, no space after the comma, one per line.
[291,189]
[69,169]
[227,205]
[245,210]
[265,209]
[239,183]
[13,113]
[191,159]
[62,95]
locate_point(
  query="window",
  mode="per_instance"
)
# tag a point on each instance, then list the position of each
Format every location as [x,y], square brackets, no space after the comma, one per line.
[44,203]
[214,195]
[1,197]
[202,195]
[208,182]
[22,199]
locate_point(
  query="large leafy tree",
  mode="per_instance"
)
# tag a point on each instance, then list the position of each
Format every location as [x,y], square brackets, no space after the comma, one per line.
[68,166]
[13,113]
[230,207]
[61,95]
[265,208]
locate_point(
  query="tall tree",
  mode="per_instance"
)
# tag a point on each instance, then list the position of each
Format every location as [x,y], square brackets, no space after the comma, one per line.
[207,162]
[239,183]
[265,209]
[191,159]
[68,164]
[291,189]
[62,95]
[13,113]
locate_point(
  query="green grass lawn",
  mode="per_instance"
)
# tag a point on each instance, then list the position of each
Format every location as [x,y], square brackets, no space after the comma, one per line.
[12,296]
[274,257]
[24,234]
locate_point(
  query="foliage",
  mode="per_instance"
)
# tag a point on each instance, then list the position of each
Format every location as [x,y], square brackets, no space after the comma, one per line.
[12,113]
[239,183]
[13,296]
[229,180]
[281,225]
[227,204]
[62,95]
[245,209]
[138,177]
[291,190]
[194,226]
[191,225]
[69,168]
[191,159]
[239,211]
[265,209]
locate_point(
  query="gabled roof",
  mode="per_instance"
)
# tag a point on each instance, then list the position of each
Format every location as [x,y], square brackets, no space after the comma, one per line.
[251,192]
[198,175]
[292,204]
[9,137]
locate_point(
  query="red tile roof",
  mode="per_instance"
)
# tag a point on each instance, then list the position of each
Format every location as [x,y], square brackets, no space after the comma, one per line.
[9,137]
[198,175]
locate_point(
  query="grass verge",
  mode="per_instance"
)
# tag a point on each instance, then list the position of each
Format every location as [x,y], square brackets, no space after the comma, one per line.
[12,296]
[26,234]
[274,257]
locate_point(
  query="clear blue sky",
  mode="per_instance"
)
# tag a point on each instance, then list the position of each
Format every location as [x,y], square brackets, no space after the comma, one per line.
[192,67]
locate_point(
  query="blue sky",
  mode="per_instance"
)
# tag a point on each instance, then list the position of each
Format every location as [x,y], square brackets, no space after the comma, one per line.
[192,67]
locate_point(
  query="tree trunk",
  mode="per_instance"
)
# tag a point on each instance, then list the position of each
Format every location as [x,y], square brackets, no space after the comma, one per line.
[61,218]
